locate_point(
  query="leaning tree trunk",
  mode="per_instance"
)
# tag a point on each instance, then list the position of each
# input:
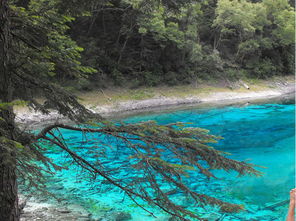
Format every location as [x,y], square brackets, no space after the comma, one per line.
[8,186]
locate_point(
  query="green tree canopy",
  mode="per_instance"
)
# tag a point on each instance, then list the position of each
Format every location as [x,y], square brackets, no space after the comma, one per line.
[35,52]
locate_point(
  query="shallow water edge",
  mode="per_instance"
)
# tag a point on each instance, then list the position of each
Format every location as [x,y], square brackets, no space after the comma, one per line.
[31,119]
[252,121]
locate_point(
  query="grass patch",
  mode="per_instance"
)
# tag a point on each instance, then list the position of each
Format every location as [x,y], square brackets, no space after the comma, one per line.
[115,95]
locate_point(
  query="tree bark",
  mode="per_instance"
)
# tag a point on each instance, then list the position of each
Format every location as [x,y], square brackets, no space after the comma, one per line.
[8,180]
[8,186]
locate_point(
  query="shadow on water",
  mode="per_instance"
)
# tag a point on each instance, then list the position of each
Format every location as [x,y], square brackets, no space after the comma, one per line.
[262,133]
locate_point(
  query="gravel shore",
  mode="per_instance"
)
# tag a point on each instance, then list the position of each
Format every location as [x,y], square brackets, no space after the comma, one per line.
[30,118]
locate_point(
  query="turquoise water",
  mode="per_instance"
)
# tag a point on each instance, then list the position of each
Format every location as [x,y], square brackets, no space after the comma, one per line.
[262,134]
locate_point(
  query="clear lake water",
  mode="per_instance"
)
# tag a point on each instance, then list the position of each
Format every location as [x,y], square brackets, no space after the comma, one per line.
[262,134]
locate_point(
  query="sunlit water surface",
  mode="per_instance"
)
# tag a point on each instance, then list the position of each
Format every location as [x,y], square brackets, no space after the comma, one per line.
[262,134]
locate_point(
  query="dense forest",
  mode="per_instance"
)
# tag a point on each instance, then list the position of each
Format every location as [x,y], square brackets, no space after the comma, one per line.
[134,42]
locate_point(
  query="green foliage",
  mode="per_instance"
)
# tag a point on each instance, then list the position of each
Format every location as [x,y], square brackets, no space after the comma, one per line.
[117,77]
[152,43]
[262,69]
[58,56]
[258,33]
[241,16]
[235,74]
[170,38]
[285,31]
[11,144]
[7,105]
[177,27]
[248,47]
[142,40]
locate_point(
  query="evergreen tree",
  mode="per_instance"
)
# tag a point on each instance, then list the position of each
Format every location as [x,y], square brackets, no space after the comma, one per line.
[35,52]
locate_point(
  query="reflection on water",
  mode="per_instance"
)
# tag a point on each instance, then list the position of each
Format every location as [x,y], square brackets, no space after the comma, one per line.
[263,134]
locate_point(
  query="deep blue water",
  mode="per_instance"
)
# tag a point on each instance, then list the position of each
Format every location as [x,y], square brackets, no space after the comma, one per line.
[262,134]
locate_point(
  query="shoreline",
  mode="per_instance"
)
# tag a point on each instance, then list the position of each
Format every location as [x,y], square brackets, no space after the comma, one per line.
[120,109]
[127,108]
[35,209]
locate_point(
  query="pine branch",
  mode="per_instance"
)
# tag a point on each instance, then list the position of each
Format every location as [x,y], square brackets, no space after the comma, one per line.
[150,143]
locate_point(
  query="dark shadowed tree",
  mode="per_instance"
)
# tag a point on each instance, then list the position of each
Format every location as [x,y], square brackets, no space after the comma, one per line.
[35,52]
